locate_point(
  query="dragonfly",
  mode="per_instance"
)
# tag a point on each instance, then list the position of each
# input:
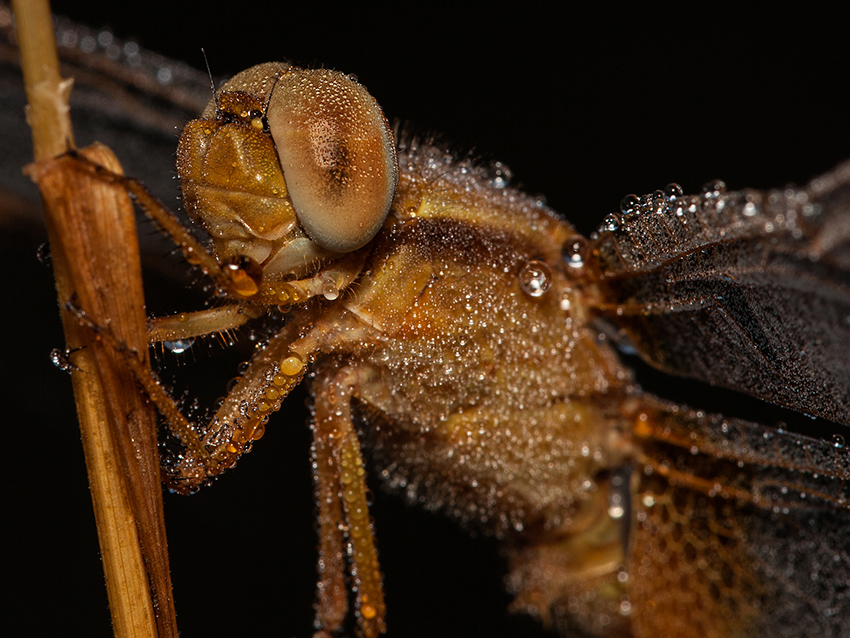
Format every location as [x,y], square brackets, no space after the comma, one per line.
[612,231]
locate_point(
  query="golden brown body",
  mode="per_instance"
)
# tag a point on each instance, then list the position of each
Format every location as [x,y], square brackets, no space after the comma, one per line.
[460,346]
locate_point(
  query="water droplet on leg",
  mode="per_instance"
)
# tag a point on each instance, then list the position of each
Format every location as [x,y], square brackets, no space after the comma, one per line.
[178,346]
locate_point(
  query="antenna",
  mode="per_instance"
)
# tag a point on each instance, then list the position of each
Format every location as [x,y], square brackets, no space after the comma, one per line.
[212,82]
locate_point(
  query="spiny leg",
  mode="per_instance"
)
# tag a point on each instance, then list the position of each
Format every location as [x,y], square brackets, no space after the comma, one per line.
[341,491]
[273,373]
[187,325]
[332,593]
[179,425]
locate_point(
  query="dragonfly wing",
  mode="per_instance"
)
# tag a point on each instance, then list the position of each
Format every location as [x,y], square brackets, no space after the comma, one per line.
[738,529]
[748,290]
[134,101]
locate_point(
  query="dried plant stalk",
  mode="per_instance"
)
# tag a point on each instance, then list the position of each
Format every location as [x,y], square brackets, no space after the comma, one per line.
[91,226]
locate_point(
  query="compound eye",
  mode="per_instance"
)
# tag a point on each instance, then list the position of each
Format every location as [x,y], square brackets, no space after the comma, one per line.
[337,154]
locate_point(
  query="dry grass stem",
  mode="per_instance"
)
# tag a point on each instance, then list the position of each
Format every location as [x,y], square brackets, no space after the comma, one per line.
[91,226]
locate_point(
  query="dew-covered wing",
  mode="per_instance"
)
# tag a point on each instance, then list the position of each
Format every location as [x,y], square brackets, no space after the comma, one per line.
[130,99]
[739,530]
[749,290]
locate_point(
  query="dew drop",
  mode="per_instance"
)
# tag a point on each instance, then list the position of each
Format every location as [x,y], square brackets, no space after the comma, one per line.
[535,278]
[629,204]
[714,189]
[88,44]
[501,175]
[611,223]
[291,366]
[131,49]
[837,441]
[43,254]
[105,38]
[616,511]
[178,346]
[60,359]
[811,210]
[164,75]
[673,191]
[575,251]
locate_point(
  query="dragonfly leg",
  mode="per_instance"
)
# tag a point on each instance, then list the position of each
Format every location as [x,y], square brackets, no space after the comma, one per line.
[343,511]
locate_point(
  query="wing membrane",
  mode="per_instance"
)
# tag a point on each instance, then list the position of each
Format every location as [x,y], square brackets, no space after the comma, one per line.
[739,529]
[132,100]
[749,290]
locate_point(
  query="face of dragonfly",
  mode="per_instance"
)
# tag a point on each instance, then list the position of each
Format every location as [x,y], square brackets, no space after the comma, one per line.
[621,128]
[288,167]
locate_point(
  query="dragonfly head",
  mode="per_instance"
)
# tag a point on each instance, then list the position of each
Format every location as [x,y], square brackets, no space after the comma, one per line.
[288,167]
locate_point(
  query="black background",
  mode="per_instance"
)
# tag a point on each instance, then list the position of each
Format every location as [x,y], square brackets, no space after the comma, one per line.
[584,108]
